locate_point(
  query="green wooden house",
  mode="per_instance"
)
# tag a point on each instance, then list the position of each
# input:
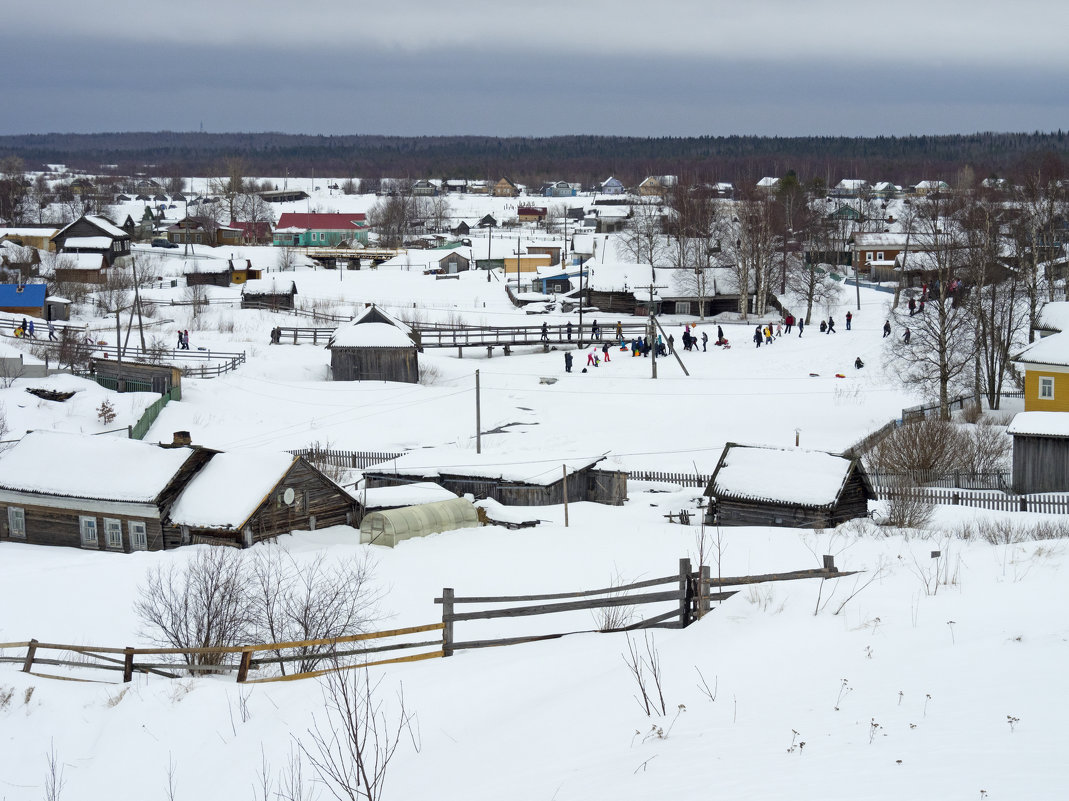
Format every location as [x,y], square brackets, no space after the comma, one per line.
[320,230]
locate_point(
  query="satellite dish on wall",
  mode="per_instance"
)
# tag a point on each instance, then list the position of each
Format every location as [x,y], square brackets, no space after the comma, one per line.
[287,496]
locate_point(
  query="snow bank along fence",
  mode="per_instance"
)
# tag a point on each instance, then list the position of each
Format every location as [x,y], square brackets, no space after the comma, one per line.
[1045,504]
[691,596]
[240,660]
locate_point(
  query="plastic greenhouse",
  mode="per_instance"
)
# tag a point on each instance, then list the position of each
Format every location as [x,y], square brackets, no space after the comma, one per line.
[393,525]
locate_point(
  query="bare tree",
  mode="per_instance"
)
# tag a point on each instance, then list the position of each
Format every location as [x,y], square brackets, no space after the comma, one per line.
[351,743]
[749,237]
[397,216]
[54,781]
[813,283]
[438,211]
[643,239]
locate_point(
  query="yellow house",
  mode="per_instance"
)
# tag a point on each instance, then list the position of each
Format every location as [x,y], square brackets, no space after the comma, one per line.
[1046,374]
[527,264]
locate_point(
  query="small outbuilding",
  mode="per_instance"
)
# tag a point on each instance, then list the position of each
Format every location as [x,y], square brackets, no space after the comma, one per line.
[1040,452]
[390,526]
[269,293]
[763,486]
[374,347]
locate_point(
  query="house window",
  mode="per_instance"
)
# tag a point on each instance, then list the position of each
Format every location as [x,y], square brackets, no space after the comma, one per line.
[682,307]
[16,522]
[1046,388]
[868,255]
[138,536]
[88,526]
[879,255]
[113,533]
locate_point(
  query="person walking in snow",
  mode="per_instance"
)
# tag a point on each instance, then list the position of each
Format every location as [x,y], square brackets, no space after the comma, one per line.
[788,323]
[719,334]
[705,341]
[619,331]
[886,328]
[605,352]
[567,361]
[51,331]
[912,307]
[905,337]
[831,325]
[849,317]
[768,335]
[595,330]
[757,338]
[185,339]
[29,330]
[179,340]
[671,344]
[569,330]
[801,326]
[545,332]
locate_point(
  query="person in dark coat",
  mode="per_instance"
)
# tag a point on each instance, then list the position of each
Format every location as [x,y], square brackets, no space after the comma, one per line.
[887,328]
[719,334]
[801,325]
[705,341]
[567,361]
[912,307]
[831,325]
[788,323]
[569,330]
[595,330]
[858,364]
[671,344]
[758,337]
[823,327]
[849,317]
[605,352]
[545,332]
[905,337]
[180,340]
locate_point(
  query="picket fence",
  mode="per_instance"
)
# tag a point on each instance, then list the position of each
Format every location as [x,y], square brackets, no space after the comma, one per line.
[1045,504]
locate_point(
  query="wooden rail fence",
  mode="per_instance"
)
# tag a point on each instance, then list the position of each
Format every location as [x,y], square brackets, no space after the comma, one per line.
[348,459]
[691,598]
[997,501]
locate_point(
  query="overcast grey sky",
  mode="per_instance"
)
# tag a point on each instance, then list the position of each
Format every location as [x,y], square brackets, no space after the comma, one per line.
[652,68]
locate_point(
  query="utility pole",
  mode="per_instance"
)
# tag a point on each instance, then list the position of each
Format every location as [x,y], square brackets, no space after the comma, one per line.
[489,251]
[478,417]
[517,263]
[652,327]
[564,470]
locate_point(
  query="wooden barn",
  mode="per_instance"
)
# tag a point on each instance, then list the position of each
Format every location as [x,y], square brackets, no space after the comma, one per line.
[81,268]
[374,347]
[93,235]
[1040,452]
[237,271]
[27,299]
[623,288]
[269,293]
[515,482]
[761,486]
[101,493]
[242,498]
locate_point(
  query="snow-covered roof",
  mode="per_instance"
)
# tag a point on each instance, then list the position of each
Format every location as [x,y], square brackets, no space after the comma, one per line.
[881,240]
[84,466]
[88,242]
[1052,350]
[403,495]
[106,226]
[617,276]
[1042,424]
[226,491]
[370,335]
[1054,316]
[81,261]
[768,182]
[852,184]
[781,475]
[269,286]
[533,467]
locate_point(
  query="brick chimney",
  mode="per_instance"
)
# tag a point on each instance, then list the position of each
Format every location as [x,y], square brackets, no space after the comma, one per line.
[181,439]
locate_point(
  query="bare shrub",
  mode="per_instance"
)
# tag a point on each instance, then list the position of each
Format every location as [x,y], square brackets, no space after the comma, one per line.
[646,670]
[6,694]
[320,459]
[351,744]
[206,603]
[927,444]
[1005,531]
[983,448]
[908,507]
[972,413]
[429,375]
[614,618]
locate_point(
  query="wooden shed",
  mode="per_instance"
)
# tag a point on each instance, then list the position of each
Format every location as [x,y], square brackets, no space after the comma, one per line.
[137,376]
[242,498]
[792,487]
[511,480]
[1040,452]
[95,235]
[270,293]
[374,347]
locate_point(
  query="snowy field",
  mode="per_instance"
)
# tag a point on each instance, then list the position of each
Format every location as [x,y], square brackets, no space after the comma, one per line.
[916,678]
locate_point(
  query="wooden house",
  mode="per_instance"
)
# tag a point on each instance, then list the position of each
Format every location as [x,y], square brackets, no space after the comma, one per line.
[611,186]
[424,188]
[874,254]
[652,187]
[374,347]
[433,261]
[242,498]
[101,493]
[531,214]
[506,188]
[762,486]
[253,233]
[38,237]
[558,189]
[1045,364]
[81,268]
[320,230]
[271,293]
[93,235]
[623,288]
[25,299]
[237,271]
[511,481]
[1040,452]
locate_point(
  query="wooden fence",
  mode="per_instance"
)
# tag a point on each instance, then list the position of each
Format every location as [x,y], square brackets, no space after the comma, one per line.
[240,660]
[1046,504]
[691,596]
[883,482]
[683,479]
[358,460]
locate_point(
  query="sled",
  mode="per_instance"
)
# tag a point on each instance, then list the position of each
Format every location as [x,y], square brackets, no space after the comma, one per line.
[840,375]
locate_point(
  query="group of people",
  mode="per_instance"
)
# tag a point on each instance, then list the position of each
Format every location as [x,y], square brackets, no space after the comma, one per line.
[183,340]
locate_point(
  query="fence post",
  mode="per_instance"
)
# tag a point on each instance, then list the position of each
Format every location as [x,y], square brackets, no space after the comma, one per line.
[31,649]
[447,621]
[1024,504]
[128,664]
[684,584]
[705,590]
[243,666]
[955,499]
[829,563]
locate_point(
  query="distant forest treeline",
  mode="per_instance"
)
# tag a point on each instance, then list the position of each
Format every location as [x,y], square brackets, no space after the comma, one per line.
[585,159]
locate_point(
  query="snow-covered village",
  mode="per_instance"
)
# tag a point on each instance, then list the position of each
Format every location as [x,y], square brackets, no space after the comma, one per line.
[570,493]
[552,402]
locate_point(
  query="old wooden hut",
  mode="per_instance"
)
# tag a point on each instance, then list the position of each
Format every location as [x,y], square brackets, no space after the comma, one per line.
[374,347]
[510,480]
[137,376]
[237,271]
[242,498]
[1040,452]
[762,486]
[95,492]
[91,234]
[270,293]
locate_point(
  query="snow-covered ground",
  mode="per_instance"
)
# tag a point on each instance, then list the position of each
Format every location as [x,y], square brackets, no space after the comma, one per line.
[911,688]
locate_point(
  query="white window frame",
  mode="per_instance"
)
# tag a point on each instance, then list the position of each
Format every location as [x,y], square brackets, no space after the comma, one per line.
[682,307]
[16,522]
[868,255]
[1046,387]
[86,523]
[113,527]
[138,535]
[879,255]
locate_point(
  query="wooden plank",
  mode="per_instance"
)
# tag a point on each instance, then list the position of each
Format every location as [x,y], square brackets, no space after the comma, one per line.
[332,654]
[314,673]
[571,606]
[791,576]
[501,599]
[447,601]
[648,622]
[243,667]
[14,644]
[684,594]
[470,644]
[31,649]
